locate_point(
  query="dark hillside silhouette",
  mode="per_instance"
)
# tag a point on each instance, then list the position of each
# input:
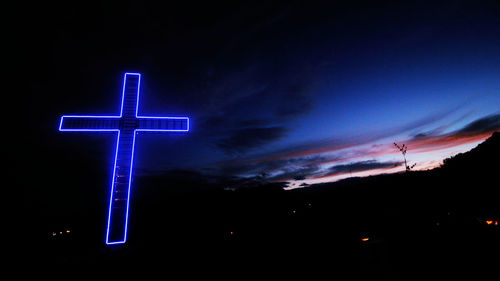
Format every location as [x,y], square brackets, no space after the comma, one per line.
[420,223]
[485,157]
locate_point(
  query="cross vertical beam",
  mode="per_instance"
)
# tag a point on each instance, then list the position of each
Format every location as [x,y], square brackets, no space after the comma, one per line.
[116,231]
[127,125]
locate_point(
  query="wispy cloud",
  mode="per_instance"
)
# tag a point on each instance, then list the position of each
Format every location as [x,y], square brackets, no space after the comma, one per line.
[474,131]
[297,173]
[356,155]
[239,117]
[484,125]
[360,166]
[335,144]
[243,140]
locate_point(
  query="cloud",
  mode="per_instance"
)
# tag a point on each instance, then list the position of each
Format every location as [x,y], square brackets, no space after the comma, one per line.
[442,128]
[421,135]
[358,167]
[352,148]
[248,108]
[484,125]
[335,144]
[474,131]
[297,173]
[309,160]
[241,140]
[301,161]
[281,168]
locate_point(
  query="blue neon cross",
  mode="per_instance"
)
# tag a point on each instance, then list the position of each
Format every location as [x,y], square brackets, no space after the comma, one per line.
[127,124]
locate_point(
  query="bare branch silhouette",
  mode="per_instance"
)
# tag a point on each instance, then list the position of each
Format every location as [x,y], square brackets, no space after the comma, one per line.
[403,150]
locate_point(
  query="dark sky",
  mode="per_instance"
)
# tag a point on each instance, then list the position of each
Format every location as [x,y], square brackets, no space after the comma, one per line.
[295,91]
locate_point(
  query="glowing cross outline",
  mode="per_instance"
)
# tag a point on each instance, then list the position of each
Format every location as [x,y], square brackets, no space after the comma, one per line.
[117,120]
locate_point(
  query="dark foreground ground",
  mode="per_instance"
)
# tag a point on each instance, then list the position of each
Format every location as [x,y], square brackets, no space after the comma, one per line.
[433,225]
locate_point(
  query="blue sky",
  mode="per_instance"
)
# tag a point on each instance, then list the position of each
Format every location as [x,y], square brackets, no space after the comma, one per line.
[299,92]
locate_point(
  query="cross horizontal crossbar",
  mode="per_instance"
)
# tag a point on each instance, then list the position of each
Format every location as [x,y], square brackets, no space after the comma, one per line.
[79,123]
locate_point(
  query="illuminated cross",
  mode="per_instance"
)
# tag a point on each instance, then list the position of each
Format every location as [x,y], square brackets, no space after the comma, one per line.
[126,126]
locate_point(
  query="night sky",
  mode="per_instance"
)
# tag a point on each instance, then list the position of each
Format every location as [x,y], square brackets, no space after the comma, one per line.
[285,91]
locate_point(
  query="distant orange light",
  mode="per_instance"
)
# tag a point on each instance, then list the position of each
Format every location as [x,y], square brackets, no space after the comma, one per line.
[365,239]
[496,222]
[67,231]
[489,222]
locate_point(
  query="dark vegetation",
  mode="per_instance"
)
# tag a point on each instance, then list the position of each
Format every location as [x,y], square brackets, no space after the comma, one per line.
[436,224]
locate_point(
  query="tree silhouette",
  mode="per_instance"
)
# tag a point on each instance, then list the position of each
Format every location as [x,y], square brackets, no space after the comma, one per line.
[403,150]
